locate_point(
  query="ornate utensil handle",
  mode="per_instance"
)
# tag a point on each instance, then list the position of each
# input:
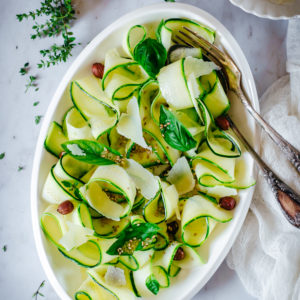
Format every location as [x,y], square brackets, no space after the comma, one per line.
[288,199]
[292,154]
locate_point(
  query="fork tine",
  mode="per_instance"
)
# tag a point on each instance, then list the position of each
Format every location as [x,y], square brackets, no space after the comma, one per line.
[193,43]
[207,46]
[177,38]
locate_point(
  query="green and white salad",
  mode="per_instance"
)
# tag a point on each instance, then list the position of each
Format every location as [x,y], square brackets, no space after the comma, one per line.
[144,173]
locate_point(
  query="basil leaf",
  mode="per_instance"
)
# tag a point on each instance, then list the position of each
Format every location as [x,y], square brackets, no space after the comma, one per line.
[133,236]
[152,284]
[87,151]
[173,131]
[151,55]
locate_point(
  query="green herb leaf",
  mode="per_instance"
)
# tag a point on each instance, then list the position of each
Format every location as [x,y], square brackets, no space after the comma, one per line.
[24,70]
[36,103]
[173,131]
[20,168]
[66,183]
[4,248]
[2,155]
[87,151]
[37,292]
[134,238]
[152,284]
[151,55]
[38,119]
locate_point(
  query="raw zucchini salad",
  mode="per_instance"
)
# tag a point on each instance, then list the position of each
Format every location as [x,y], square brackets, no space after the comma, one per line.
[147,165]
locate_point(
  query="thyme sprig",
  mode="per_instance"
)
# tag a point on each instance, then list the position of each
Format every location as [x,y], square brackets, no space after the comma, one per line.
[31,83]
[59,16]
[37,292]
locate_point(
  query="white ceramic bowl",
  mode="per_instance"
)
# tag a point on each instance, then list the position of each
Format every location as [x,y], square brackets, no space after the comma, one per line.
[270,9]
[63,274]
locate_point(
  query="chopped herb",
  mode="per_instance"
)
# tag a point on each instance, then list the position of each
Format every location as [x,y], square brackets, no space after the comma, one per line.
[36,103]
[20,168]
[152,284]
[37,119]
[31,83]
[4,248]
[71,186]
[169,0]
[37,292]
[2,155]
[24,70]
[136,237]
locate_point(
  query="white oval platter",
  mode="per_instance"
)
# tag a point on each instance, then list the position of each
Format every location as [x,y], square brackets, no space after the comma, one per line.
[270,9]
[63,274]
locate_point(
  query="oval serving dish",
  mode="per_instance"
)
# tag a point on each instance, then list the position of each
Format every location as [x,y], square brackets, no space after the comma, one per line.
[270,9]
[64,275]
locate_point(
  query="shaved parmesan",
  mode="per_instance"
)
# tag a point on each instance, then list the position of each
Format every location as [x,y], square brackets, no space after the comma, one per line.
[115,276]
[198,66]
[130,124]
[181,176]
[171,198]
[173,87]
[143,179]
[75,236]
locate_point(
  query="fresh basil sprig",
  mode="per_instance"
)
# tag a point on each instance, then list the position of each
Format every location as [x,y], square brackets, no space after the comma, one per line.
[133,238]
[152,284]
[151,55]
[173,131]
[87,151]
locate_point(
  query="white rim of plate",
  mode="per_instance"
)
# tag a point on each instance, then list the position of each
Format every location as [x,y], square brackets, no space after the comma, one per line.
[263,11]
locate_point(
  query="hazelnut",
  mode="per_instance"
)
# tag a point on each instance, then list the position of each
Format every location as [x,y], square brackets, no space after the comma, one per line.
[172,227]
[65,207]
[61,154]
[227,203]
[179,255]
[98,70]
[222,122]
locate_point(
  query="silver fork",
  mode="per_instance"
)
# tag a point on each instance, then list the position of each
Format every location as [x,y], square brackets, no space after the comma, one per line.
[233,80]
[287,198]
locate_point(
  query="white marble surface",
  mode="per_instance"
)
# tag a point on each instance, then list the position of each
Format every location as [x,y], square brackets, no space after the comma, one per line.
[263,42]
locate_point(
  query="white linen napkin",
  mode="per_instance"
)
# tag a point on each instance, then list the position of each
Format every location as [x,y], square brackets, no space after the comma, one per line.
[266,254]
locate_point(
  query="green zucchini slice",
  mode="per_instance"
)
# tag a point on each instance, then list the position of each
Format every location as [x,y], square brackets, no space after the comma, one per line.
[98,112]
[94,193]
[163,206]
[198,216]
[167,30]
[121,290]
[75,126]
[55,137]
[122,77]
[136,34]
